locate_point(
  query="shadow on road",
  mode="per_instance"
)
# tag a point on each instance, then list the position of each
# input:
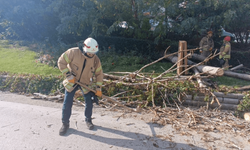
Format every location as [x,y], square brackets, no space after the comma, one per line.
[132,140]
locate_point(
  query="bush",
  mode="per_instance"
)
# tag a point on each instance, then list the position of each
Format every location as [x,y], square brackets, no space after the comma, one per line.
[245,104]
[27,83]
[128,45]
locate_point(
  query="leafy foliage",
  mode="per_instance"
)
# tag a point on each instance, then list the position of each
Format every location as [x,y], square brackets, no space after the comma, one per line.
[27,20]
[163,22]
[27,83]
[245,104]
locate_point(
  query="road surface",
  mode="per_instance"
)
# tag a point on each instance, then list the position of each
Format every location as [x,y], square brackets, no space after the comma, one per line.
[28,124]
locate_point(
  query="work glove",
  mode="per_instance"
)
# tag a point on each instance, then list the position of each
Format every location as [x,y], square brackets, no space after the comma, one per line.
[70,77]
[98,93]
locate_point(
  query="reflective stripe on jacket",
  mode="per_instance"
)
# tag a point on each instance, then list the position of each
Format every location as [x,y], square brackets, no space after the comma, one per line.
[83,67]
[225,50]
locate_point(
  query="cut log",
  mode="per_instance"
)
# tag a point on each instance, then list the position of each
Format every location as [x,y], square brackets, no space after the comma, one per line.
[247,116]
[237,75]
[211,70]
[201,68]
[230,101]
[198,103]
[229,95]
[201,96]
[221,99]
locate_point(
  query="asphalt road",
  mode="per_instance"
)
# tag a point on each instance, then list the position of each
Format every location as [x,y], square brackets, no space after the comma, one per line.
[28,124]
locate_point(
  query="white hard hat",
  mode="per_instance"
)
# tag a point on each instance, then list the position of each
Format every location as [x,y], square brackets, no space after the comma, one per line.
[90,46]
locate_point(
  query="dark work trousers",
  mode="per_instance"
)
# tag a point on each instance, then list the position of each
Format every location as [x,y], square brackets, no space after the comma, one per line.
[206,54]
[68,102]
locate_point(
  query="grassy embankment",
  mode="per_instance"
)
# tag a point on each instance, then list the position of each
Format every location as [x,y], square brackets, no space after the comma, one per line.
[21,60]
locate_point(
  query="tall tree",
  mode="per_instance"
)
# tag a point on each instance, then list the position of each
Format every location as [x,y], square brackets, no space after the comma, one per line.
[27,19]
[75,23]
[237,20]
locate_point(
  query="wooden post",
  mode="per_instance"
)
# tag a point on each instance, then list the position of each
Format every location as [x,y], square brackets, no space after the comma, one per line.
[180,56]
[185,54]
[181,65]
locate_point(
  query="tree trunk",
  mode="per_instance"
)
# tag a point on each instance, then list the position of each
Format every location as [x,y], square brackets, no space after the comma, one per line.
[211,70]
[198,103]
[202,68]
[222,100]
[229,95]
[237,75]
[197,57]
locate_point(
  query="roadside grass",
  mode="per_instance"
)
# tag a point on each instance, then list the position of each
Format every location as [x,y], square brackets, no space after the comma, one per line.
[21,60]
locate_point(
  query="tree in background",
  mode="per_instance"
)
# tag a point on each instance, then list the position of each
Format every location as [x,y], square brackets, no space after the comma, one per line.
[190,20]
[75,19]
[237,20]
[27,20]
[164,22]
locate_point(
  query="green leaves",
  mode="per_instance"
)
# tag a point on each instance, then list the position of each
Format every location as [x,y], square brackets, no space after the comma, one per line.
[71,21]
[244,104]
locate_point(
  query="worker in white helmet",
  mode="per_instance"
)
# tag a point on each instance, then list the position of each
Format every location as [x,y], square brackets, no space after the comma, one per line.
[85,67]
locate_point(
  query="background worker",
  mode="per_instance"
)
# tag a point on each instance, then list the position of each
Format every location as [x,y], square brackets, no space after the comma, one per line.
[225,52]
[85,67]
[207,44]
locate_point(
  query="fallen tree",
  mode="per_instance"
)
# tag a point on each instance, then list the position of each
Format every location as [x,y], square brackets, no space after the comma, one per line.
[237,75]
[228,73]
[202,68]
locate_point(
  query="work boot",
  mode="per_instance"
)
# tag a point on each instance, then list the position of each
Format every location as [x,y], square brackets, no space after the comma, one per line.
[89,124]
[63,129]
